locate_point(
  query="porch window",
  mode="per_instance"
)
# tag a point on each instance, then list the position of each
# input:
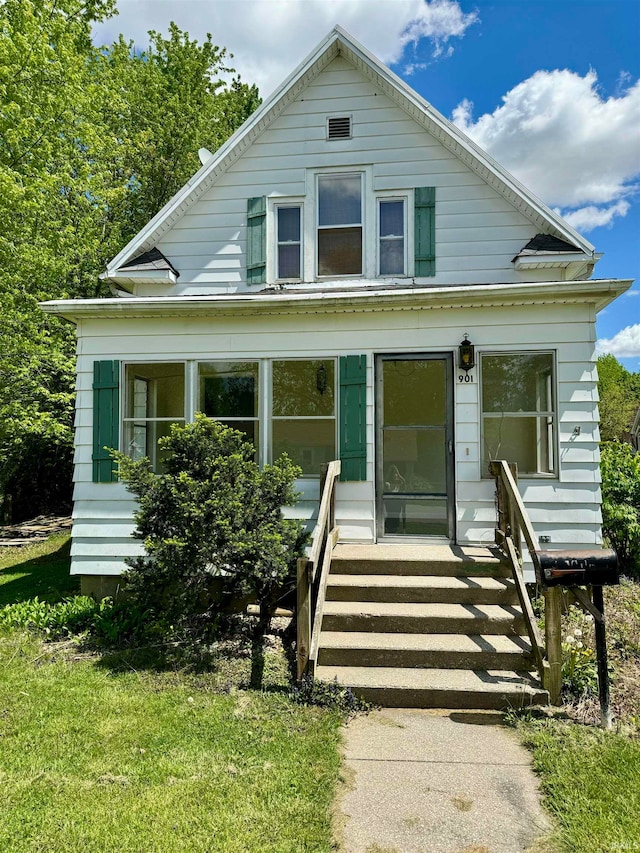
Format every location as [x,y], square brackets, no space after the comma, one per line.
[304,412]
[340,224]
[518,411]
[391,237]
[228,391]
[154,399]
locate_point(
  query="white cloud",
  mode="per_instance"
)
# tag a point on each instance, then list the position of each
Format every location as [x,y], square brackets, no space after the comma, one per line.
[269,38]
[566,142]
[590,217]
[625,344]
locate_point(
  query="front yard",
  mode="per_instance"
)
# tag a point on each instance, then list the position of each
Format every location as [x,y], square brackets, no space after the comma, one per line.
[101,753]
[95,755]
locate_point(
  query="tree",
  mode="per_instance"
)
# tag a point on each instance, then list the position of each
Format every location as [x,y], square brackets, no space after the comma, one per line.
[213,513]
[620,467]
[93,141]
[619,392]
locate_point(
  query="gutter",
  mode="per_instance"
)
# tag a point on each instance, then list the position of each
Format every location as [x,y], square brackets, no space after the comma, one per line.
[598,292]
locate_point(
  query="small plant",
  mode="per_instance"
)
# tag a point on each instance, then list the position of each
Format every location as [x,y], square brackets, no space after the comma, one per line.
[579,670]
[328,694]
[66,618]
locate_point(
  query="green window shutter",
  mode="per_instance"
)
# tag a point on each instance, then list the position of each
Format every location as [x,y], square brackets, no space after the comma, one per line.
[257,240]
[106,419]
[425,231]
[353,417]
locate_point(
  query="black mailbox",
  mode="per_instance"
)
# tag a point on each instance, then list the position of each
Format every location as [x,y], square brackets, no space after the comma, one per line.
[578,568]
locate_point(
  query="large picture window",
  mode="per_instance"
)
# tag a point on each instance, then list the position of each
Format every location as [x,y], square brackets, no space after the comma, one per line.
[154,399]
[228,392]
[518,411]
[340,225]
[304,413]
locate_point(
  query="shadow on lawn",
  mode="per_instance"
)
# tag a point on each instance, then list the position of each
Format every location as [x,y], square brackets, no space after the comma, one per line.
[46,576]
[221,668]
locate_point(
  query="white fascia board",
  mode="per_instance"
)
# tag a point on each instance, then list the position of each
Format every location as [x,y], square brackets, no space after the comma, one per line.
[599,293]
[551,259]
[446,132]
[134,277]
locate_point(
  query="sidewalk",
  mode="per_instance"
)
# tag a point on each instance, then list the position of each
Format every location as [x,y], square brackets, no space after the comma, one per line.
[438,782]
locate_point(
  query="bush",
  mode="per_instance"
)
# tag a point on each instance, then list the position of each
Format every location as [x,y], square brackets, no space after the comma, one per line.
[214,518]
[620,467]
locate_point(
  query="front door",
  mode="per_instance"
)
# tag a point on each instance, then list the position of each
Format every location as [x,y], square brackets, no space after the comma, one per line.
[414,470]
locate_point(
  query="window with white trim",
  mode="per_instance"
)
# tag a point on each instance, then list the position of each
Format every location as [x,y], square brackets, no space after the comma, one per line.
[228,391]
[340,224]
[392,243]
[518,411]
[154,399]
[303,412]
[288,226]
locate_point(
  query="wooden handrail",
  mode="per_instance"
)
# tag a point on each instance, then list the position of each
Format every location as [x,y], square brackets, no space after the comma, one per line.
[514,522]
[311,583]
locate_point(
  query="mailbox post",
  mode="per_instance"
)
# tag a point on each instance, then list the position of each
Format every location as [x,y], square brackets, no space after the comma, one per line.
[591,569]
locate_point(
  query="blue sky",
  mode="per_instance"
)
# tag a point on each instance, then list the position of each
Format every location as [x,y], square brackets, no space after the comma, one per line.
[551,88]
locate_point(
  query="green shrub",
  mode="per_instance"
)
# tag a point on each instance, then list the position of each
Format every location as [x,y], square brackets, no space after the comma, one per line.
[213,517]
[620,467]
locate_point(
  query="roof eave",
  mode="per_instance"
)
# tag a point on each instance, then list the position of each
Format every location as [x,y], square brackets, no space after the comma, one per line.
[599,293]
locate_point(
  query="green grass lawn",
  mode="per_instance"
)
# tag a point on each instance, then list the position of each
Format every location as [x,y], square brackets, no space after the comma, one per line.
[96,755]
[39,570]
[590,779]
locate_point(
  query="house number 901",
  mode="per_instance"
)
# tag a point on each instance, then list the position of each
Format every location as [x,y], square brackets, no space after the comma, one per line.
[465,377]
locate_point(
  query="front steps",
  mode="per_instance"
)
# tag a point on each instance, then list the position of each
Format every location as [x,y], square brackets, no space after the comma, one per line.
[426,627]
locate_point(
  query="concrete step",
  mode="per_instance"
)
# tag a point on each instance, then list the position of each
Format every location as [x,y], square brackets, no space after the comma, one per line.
[435,651]
[444,560]
[421,588]
[438,688]
[414,618]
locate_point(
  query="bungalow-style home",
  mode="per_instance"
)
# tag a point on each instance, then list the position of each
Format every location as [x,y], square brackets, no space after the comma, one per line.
[350,277]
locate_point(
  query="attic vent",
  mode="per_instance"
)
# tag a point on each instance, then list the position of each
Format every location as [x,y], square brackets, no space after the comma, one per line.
[339,127]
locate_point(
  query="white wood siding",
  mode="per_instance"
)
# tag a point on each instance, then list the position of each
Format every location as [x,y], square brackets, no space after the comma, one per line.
[566,507]
[477,231]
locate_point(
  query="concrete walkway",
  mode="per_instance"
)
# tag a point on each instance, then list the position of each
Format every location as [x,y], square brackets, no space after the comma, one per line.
[438,782]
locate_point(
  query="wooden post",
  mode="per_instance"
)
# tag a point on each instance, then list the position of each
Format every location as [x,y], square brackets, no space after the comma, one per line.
[553,642]
[514,522]
[603,670]
[303,616]
[501,496]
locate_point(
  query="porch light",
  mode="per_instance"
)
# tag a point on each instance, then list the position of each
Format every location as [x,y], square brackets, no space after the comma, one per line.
[466,354]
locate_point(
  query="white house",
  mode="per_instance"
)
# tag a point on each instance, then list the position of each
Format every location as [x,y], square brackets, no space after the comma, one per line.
[311,285]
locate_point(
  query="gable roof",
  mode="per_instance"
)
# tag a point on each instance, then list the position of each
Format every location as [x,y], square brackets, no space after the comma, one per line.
[338,42]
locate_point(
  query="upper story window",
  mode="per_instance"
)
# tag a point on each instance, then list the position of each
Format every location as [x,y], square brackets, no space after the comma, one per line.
[341,228]
[340,224]
[392,226]
[289,242]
